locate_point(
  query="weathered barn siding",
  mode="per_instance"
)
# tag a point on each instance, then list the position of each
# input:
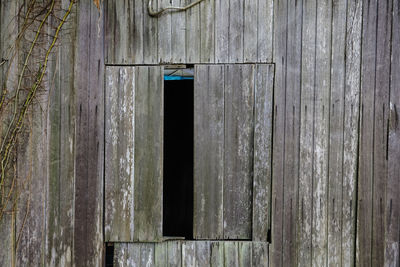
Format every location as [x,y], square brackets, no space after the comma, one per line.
[335,130]
[232,150]
[216,31]
[134,153]
[192,254]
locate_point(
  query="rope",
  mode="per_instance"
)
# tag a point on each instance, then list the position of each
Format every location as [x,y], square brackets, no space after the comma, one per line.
[170,8]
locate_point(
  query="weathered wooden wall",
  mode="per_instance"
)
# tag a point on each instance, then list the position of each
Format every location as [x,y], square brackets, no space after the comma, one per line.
[192,253]
[336,133]
[60,162]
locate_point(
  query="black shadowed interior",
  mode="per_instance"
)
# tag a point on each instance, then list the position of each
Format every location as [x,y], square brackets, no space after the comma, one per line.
[178,159]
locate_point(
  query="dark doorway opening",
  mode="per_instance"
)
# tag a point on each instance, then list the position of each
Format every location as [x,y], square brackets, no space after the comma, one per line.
[178,158]
[109,255]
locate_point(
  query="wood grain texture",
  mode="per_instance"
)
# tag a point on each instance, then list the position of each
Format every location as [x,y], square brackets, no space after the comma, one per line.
[264,79]
[292,132]
[265,30]
[366,150]
[134,254]
[236,31]
[221,31]
[208,140]
[250,19]
[149,110]
[8,30]
[192,253]
[238,152]
[178,34]
[336,133]
[150,32]
[351,130]
[164,33]
[207,31]
[392,226]
[89,146]
[321,133]
[278,150]
[214,31]
[381,118]
[61,162]
[193,31]
[308,68]
[120,154]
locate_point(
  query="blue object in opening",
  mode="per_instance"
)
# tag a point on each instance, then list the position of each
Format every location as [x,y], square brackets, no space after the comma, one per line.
[175,78]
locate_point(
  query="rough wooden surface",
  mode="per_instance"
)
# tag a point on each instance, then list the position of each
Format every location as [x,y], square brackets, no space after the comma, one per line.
[213,31]
[149,110]
[120,153]
[292,132]
[278,154]
[264,78]
[208,140]
[226,134]
[238,151]
[366,161]
[351,131]
[89,136]
[392,215]
[192,253]
[133,171]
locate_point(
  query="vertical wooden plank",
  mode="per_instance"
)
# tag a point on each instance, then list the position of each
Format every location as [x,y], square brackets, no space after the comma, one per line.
[265,30]
[149,91]
[208,152]
[245,254]
[59,204]
[250,40]
[207,21]
[260,254]
[305,204]
[89,159]
[119,151]
[221,31]
[278,156]
[292,132]
[161,254]
[147,254]
[392,227]
[231,253]
[203,253]
[137,30]
[164,33]
[237,196]
[381,117]
[174,250]
[264,79]
[8,31]
[336,133]
[366,157]
[217,254]
[178,34]
[122,254]
[188,254]
[321,133]
[193,39]
[351,129]
[150,35]
[236,22]
[123,33]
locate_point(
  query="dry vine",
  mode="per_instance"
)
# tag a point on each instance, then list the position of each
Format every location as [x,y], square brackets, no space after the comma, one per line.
[39,34]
